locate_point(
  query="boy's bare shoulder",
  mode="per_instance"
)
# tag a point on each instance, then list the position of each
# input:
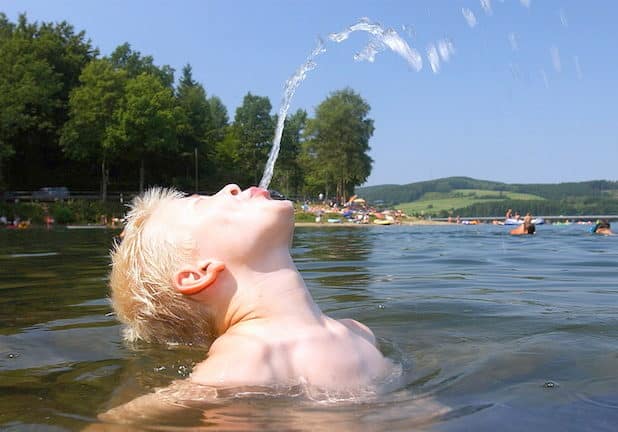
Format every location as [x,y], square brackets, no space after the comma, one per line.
[359,329]
[235,359]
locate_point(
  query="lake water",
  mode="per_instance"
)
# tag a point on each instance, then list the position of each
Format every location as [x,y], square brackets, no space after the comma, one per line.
[493,332]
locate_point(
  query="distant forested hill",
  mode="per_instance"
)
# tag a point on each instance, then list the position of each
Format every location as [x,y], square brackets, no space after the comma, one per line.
[471,197]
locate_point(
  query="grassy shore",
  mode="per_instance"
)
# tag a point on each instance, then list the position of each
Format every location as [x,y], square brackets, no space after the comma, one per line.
[435,202]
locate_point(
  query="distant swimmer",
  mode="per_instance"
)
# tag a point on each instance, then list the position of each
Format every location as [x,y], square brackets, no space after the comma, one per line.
[525,228]
[602,227]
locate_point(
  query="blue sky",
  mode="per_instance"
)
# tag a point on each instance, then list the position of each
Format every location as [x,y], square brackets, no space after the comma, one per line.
[530,94]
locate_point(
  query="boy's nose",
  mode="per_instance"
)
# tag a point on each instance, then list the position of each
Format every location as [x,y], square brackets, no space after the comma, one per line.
[231,189]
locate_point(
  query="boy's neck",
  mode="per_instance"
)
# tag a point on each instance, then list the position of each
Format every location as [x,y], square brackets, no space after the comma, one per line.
[269,290]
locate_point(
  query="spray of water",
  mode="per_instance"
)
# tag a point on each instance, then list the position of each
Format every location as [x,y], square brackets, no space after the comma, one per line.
[381,40]
[469,17]
[290,88]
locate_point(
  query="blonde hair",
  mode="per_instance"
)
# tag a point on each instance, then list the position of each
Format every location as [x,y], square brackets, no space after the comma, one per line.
[141,279]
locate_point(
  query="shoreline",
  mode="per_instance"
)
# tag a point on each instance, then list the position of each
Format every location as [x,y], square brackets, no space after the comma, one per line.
[357,225]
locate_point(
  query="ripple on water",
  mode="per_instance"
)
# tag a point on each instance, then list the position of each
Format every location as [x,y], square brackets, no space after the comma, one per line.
[30,255]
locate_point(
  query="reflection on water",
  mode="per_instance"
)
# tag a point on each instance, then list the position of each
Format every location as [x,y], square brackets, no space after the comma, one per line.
[491,331]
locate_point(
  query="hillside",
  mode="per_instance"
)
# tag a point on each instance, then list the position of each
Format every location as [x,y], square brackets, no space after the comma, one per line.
[472,197]
[436,202]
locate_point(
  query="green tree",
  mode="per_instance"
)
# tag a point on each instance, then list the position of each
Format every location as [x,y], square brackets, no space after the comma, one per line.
[254,129]
[39,65]
[135,64]
[87,135]
[28,85]
[221,142]
[339,142]
[196,121]
[226,159]
[146,123]
[219,116]
[288,173]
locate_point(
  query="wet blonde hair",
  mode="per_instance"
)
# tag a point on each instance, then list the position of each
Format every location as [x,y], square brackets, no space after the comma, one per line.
[143,265]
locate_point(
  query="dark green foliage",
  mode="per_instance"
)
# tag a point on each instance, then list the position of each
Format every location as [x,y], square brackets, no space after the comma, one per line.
[304,217]
[72,211]
[336,151]
[396,194]
[63,215]
[88,134]
[86,211]
[561,198]
[39,66]
[24,211]
[288,177]
[571,206]
[253,130]
[135,65]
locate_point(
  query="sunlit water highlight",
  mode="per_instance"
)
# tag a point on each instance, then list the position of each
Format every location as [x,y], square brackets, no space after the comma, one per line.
[492,332]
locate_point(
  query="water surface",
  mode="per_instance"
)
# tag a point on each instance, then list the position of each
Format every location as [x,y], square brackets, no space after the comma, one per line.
[491,331]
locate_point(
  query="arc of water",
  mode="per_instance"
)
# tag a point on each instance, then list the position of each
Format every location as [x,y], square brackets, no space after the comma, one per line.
[382,39]
[290,88]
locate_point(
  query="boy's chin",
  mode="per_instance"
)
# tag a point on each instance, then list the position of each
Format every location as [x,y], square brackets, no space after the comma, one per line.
[284,210]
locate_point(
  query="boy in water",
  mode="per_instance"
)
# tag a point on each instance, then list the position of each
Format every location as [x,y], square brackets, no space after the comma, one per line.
[193,269]
[524,228]
[602,227]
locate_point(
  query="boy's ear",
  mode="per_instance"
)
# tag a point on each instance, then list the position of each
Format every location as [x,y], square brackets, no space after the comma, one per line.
[193,279]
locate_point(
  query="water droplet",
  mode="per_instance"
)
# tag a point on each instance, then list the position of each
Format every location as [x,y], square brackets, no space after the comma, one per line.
[513,41]
[515,72]
[434,59]
[469,16]
[555,58]
[446,49]
[578,69]
[544,76]
[381,306]
[550,385]
[563,18]
[409,30]
[486,5]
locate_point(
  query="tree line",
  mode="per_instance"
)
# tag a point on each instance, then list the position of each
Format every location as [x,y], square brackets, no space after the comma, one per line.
[396,194]
[71,117]
[551,207]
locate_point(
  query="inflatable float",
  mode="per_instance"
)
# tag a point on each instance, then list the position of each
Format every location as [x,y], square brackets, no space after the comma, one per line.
[536,221]
[382,222]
